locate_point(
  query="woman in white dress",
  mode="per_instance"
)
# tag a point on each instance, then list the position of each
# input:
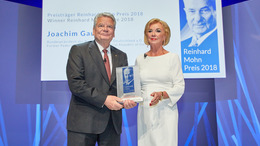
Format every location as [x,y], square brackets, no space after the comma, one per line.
[162,85]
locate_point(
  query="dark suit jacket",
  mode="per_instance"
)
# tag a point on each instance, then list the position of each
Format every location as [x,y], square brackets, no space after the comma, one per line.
[89,84]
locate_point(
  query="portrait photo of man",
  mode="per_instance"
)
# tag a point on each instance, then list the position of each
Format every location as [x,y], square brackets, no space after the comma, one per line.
[201,22]
[199,36]
[128,79]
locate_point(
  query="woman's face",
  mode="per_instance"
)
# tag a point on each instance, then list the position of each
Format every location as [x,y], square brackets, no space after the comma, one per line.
[156,34]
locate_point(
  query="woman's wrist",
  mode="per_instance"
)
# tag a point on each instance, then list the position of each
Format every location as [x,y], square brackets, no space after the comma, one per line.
[162,97]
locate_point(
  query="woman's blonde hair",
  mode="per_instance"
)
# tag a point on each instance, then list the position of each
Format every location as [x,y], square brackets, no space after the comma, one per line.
[165,27]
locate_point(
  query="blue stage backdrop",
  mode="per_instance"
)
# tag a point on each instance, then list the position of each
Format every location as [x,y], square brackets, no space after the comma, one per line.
[211,112]
[38,3]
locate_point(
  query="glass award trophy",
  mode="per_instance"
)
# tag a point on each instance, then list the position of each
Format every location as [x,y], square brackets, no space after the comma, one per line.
[128,83]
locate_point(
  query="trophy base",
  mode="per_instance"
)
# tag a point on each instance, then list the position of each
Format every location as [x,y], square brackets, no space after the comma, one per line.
[132,97]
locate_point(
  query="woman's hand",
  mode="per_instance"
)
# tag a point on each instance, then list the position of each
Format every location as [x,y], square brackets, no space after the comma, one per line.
[156,98]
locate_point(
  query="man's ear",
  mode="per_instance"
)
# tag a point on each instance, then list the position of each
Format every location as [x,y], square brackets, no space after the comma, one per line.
[93,31]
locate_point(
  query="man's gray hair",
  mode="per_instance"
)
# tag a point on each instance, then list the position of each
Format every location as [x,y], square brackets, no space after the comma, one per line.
[104,14]
[209,2]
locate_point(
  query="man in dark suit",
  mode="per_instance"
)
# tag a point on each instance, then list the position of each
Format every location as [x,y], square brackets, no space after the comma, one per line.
[95,112]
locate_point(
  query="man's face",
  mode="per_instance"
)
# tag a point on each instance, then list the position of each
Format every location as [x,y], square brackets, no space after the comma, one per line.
[127,75]
[104,30]
[201,16]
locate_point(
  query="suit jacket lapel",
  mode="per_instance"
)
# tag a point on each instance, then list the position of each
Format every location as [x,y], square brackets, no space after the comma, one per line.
[115,62]
[97,58]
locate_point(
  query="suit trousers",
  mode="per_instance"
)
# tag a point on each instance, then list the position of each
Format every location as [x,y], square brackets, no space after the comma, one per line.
[107,138]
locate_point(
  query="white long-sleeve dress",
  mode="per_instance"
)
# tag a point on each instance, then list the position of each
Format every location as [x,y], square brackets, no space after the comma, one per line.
[158,124]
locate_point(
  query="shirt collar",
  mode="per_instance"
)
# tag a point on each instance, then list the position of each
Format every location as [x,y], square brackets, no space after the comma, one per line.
[201,39]
[101,48]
